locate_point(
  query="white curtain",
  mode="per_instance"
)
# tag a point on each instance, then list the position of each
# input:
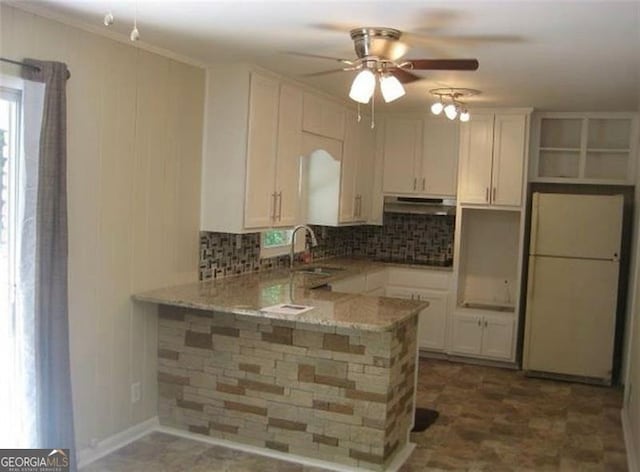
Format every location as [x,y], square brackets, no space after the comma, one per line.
[17,390]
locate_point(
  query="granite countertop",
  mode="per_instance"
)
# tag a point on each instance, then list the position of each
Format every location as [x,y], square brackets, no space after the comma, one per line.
[248,294]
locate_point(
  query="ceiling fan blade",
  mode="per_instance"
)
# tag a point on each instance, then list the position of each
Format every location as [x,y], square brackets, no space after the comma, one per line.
[444,41]
[337,27]
[318,56]
[324,72]
[404,76]
[443,64]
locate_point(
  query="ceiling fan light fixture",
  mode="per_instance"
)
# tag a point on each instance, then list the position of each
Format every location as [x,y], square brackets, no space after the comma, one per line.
[465,116]
[363,86]
[437,108]
[451,111]
[391,88]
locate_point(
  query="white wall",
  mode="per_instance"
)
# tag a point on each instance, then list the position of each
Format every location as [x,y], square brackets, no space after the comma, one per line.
[134,148]
[631,407]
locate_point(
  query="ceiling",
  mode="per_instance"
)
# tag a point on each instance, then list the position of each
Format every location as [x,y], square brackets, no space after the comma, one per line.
[557,55]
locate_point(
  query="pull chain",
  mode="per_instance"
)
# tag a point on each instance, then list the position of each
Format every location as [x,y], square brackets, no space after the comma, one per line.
[373,113]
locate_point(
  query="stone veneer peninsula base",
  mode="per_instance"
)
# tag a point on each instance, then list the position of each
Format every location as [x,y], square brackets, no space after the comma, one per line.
[335,394]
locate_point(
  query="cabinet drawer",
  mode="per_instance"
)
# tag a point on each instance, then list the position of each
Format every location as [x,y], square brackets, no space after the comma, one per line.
[420,278]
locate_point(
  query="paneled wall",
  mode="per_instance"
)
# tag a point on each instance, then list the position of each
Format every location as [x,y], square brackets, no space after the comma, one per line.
[134,147]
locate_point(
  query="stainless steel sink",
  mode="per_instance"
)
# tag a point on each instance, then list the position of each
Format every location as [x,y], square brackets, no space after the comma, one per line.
[325,271]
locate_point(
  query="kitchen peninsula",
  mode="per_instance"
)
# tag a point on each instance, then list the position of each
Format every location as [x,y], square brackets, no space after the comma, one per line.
[335,383]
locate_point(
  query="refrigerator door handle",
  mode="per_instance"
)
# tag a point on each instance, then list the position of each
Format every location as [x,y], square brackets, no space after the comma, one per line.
[533,244]
[532,278]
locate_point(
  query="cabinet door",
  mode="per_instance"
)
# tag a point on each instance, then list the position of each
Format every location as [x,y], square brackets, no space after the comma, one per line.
[432,321]
[261,152]
[508,159]
[476,142]
[497,336]
[439,157]
[402,151]
[350,151]
[323,117]
[364,175]
[467,334]
[288,156]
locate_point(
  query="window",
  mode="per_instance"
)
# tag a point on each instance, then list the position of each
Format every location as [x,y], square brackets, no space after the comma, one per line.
[276,242]
[10,140]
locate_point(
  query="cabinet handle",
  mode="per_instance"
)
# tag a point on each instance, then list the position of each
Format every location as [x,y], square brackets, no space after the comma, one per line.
[424,183]
[493,199]
[279,205]
[415,183]
[486,194]
[486,323]
[479,322]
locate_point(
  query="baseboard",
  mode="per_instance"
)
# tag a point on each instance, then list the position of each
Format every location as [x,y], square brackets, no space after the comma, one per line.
[112,443]
[632,458]
[394,466]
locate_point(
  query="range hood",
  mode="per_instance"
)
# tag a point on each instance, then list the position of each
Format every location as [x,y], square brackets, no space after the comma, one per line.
[420,206]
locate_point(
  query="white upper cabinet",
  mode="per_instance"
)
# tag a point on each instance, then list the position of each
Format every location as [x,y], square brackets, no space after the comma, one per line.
[590,148]
[420,157]
[402,151]
[440,156]
[339,175]
[252,150]
[492,159]
[323,117]
[261,206]
[288,156]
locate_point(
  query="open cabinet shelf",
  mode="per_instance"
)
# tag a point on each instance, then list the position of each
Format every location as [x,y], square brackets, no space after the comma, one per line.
[584,147]
[490,249]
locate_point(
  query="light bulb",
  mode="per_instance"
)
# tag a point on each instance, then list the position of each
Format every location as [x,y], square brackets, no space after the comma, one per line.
[465,116]
[363,86]
[391,88]
[135,34]
[437,108]
[451,111]
[108,19]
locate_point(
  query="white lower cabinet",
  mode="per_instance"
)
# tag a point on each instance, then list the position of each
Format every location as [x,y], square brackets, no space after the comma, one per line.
[432,321]
[483,334]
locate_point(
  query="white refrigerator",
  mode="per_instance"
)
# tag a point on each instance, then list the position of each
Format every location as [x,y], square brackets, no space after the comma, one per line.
[572,293]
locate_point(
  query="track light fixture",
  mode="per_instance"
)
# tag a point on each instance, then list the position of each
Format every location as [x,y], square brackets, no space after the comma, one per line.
[449,102]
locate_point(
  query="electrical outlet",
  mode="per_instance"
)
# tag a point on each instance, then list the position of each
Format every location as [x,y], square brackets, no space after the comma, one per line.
[135,392]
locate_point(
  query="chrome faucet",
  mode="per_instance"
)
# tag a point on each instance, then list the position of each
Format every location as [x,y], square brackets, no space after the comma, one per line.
[314,241]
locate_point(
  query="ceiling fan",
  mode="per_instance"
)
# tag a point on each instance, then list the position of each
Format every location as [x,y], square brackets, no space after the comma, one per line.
[379,54]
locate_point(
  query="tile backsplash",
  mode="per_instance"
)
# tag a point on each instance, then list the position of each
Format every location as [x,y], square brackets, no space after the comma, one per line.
[418,239]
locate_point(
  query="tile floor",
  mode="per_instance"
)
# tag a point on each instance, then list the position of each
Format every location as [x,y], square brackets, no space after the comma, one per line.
[490,420]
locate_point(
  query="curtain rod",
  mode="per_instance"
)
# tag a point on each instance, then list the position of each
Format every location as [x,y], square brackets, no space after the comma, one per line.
[18,63]
[24,64]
